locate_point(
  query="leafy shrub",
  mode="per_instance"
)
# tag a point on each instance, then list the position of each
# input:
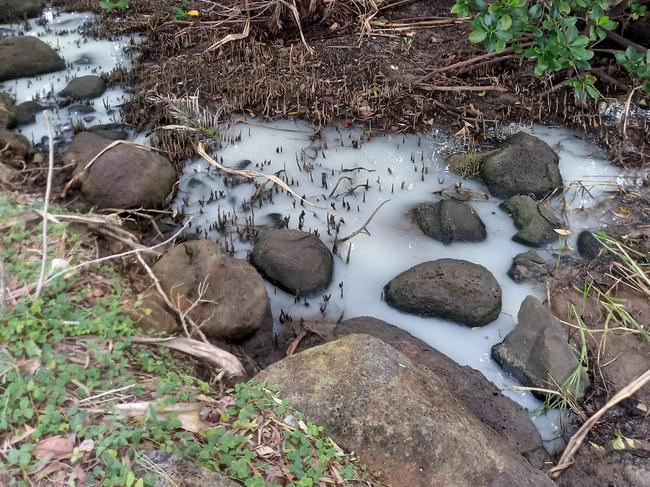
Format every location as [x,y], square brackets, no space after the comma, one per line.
[557,35]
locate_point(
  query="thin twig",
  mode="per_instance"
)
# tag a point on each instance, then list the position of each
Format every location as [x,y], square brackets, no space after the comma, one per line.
[362,229]
[46,204]
[576,440]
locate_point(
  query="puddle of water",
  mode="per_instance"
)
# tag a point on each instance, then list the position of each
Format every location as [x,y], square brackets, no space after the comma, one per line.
[405,169]
[83,56]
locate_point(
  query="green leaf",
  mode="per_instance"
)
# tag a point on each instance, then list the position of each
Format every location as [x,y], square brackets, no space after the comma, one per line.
[506,22]
[477,36]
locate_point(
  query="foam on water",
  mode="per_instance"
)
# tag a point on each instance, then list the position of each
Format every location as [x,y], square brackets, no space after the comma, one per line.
[406,169]
[83,55]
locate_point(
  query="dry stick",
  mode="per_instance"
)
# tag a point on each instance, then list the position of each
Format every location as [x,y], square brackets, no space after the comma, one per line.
[428,87]
[48,190]
[619,39]
[223,360]
[363,228]
[626,112]
[576,440]
[115,256]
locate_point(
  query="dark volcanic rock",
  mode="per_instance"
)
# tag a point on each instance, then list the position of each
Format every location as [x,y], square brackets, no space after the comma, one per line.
[523,165]
[15,143]
[13,10]
[452,289]
[537,352]
[500,413]
[84,87]
[588,245]
[449,221]
[529,266]
[152,315]
[295,261]
[27,56]
[124,176]
[535,222]
[398,417]
[235,303]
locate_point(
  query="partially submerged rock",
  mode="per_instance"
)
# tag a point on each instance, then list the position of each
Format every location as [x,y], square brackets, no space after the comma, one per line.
[450,221]
[234,304]
[537,352]
[27,56]
[535,222]
[398,417]
[26,112]
[499,413]
[15,10]
[84,87]
[172,471]
[452,289]
[125,176]
[523,165]
[297,262]
[529,266]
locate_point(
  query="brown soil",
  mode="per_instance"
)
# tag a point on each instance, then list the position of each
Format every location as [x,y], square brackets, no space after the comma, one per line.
[400,75]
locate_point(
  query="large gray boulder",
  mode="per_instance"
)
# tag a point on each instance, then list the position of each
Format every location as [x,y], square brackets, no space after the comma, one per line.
[452,289]
[537,352]
[535,222]
[398,417]
[125,176]
[523,165]
[234,304]
[84,87]
[449,221]
[27,56]
[14,10]
[499,413]
[297,262]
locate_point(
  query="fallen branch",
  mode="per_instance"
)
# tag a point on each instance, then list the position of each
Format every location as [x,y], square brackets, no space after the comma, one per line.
[428,87]
[362,229]
[46,204]
[576,440]
[207,352]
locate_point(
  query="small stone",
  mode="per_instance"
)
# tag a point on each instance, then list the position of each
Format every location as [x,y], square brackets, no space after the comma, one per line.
[450,221]
[297,262]
[589,246]
[7,111]
[16,144]
[536,223]
[26,112]
[523,165]
[84,87]
[152,315]
[529,266]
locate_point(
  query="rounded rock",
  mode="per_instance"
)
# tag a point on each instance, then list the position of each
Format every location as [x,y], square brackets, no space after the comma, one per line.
[27,56]
[84,88]
[124,176]
[451,289]
[450,221]
[234,303]
[295,261]
[523,165]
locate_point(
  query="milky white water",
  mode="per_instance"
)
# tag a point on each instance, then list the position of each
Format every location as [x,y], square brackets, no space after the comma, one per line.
[83,56]
[405,169]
